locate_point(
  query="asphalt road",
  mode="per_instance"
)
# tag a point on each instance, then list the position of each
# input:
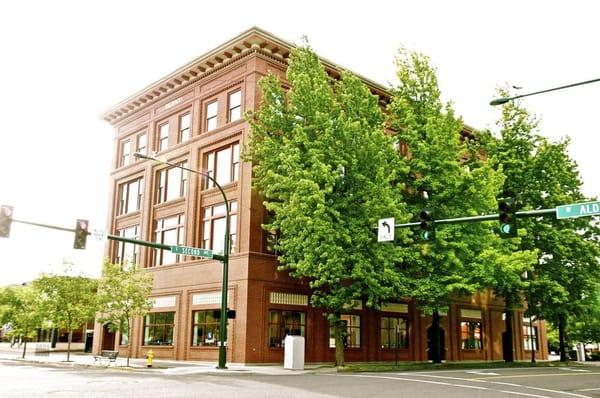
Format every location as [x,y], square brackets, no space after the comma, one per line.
[22,379]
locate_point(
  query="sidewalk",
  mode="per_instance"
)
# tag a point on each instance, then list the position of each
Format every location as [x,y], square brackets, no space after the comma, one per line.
[171,367]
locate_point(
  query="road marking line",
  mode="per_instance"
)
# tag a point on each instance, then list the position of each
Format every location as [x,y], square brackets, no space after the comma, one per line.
[453,378]
[589,389]
[418,381]
[558,392]
[542,375]
[575,370]
[505,384]
[525,394]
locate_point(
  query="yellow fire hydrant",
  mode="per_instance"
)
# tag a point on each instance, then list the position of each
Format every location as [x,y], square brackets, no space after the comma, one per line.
[149,358]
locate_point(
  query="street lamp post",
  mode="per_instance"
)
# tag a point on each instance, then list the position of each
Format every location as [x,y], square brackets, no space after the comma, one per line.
[500,101]
[224,258]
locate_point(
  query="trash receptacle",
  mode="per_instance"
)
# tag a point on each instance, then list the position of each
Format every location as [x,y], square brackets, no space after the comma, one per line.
[294,353]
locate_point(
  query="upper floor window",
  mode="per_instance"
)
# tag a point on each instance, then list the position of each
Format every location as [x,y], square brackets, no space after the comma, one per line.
[235,105]
[184,127]
[142,143]
[223,165]
[172,183]
[127,252]
[168,231]
[212,110]
[130,196]
[125,152]
[213,227]
[163,136]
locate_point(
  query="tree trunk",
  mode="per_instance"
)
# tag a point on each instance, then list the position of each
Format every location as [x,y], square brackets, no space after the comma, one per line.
[507,340]
[436,348]
[69,345]
[128,338]
[24,345]
[339,330]
[562,337]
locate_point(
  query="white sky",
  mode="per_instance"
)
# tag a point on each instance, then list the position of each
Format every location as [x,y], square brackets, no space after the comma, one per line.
[64,62]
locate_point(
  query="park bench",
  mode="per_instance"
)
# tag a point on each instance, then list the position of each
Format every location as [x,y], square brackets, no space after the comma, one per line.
[110,355]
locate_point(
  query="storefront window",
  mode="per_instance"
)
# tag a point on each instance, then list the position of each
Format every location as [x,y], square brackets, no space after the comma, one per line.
[351,336]
[284,323]
[394,332]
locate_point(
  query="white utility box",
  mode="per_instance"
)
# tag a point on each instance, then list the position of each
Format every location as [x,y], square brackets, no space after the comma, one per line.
[294,353]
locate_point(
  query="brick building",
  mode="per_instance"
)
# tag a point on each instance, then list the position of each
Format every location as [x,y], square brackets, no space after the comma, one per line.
[194,117]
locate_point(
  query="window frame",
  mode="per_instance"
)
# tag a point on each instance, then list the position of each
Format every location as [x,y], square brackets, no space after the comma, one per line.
[471,341]
[187,130]
[238,107]
[209,118]
[212,169]
[162,182]
[165,326]
[282,327]
[121,247]
[208,242]
[403,338]
[527,337]
[349,326]
[160,138]
[124,196]
[158,259]
[142,149]
[215,323]
[125,157]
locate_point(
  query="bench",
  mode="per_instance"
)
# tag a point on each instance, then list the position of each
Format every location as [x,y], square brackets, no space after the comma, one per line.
[110,355]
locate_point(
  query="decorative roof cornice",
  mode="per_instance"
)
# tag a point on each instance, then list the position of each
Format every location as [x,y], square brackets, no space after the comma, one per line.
[252,41]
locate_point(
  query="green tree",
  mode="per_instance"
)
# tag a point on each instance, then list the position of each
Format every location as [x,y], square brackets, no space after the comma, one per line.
[541,174]
[327,172]
[123,294]
[450,177]
[68,301]
[22,309]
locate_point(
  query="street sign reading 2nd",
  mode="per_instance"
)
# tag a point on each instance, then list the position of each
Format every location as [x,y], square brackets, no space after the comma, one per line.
[578,210]
[192,251]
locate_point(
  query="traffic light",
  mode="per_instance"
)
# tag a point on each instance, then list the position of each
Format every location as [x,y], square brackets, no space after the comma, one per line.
[5,220]
[427,225]
[507,218]
[217,314]
[81,234]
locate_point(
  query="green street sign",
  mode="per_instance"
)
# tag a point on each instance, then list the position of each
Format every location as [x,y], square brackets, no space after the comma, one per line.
[578,210]
[192,251]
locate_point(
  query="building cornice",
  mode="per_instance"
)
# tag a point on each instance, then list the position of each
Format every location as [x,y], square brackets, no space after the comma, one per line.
[252,41]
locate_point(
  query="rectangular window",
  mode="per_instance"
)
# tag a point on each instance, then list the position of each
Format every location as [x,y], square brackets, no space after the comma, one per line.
[212,110]
[168,231]
[205,329]
[529,335]
[128,252]
[172,183]
[158,328]
[213,227]
[130,196]
[184,127]
[142,144]
[163,136]
[470,335]
[283,323]
[351,336]
[394,332]
[235,105]
[125,152]
[124,337]
[223,165]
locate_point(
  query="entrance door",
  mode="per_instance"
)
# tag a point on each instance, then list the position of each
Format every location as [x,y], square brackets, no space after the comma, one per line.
[442,343]
[108,338]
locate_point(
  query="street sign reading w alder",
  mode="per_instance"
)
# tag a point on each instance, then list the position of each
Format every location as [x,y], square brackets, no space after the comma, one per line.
[192,251]
[578,210]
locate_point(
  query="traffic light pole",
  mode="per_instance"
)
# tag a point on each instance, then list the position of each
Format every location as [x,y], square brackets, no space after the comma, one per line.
[486,217]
